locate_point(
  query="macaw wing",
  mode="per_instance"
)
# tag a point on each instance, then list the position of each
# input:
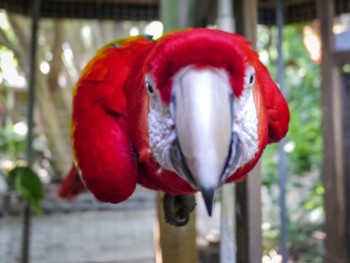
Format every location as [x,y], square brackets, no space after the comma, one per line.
[100,136]
[72,185]
[275,104]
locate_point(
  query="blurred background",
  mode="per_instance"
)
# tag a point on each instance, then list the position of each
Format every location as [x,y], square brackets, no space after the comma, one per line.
[85,230]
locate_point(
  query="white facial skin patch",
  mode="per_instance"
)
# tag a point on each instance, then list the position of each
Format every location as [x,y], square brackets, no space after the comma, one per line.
[245,120]
[161,128]
[245,125]
[161,134]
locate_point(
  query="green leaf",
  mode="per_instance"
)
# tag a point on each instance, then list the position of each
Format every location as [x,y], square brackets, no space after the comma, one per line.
[28,185]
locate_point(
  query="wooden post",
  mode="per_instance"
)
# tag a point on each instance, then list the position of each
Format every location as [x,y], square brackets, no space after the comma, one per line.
[176,244]
[248,198]
[248,214]
[333,162]
[345,95]
[341,58]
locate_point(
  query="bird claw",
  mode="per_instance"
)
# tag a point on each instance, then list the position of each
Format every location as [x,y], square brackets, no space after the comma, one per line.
[177,208]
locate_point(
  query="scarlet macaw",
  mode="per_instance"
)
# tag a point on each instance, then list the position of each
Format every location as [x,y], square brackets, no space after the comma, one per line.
[188,112]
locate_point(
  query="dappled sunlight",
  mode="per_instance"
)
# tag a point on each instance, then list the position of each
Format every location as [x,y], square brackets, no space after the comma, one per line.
[9,72]
[20,128]
[154,29]
[312,42]
[134,31]
[44,67]
[272,257]
[3,21]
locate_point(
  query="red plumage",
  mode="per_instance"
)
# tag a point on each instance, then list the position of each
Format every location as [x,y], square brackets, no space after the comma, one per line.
[72,185]
[179,49]
[110,107]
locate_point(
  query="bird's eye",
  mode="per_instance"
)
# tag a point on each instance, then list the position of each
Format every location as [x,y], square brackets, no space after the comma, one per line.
[251,79]
[249,76]
[149,87]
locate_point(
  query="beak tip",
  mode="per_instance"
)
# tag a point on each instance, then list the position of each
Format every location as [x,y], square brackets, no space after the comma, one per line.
[208,196]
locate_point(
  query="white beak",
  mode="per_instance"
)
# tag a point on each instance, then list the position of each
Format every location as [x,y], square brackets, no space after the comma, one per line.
[202,109]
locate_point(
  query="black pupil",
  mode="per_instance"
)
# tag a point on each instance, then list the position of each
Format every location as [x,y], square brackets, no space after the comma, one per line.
[251,79]
[149,87]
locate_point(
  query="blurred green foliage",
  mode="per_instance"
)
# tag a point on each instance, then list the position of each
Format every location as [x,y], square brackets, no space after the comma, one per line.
[27,184]
[11,143]
[303,147]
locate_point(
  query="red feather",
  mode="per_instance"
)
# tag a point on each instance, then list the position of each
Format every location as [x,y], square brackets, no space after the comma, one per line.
[101,141]
[200,47]
[72,185]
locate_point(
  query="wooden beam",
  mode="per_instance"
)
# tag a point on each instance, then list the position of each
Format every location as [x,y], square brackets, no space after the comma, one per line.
[110,1]
[246,15]
[341,58]
[335,245]
[96,9]
[345,94]
[272,3]
[248,214]
[248,198]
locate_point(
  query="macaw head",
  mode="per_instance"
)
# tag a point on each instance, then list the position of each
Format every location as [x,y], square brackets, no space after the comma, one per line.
[213,107]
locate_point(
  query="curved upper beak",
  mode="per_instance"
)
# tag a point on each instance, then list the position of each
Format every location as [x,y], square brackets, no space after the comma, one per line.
[202,109]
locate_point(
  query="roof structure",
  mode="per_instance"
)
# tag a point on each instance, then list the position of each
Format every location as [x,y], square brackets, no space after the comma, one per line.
[89,9]
[296,10]
[147,10]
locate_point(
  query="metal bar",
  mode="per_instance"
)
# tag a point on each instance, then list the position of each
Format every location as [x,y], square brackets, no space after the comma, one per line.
[26,221]
[228,245]
[30,123]
[32,73]
[280,7]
